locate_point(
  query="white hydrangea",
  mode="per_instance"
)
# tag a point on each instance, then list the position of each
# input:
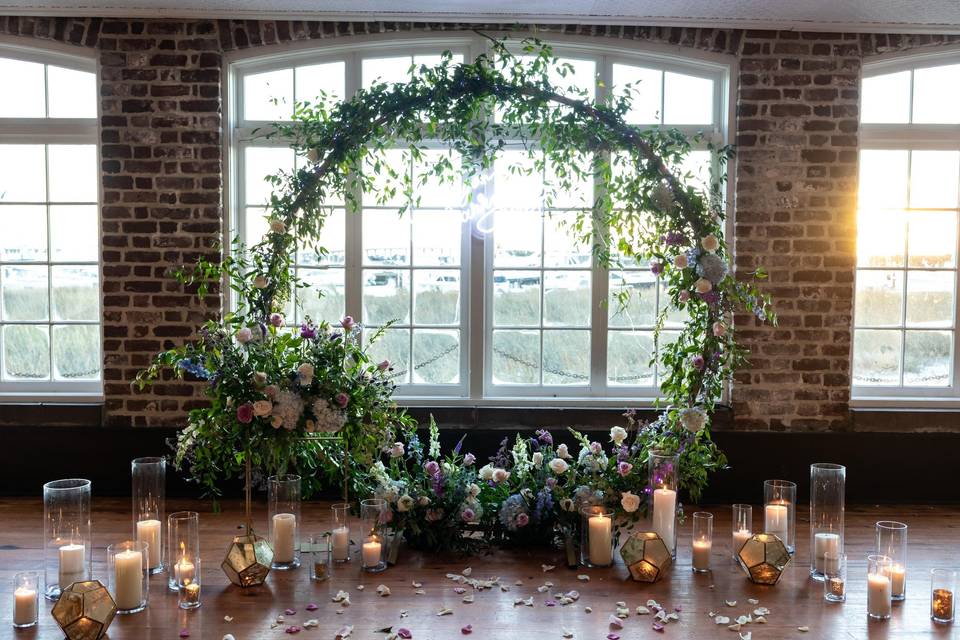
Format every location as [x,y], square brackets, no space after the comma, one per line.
[329,419]
[288,408]
[693,419]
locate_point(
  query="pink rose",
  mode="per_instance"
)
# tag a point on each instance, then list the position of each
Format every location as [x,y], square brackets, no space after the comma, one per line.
[468,515]
[596,448]
[245,413]
[697,363]
[523,520]
[276,319]
[342,399]
[244,335]
[684,296]
[624,468]
[383,365]
[431,468]
[347,322]
[469,459]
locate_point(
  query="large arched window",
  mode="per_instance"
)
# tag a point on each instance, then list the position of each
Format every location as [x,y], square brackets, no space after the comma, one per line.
[49,225]
[906,296]
[492,302]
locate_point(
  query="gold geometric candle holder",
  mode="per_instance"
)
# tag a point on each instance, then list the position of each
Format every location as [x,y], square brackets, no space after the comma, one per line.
[248,560]
[764,557]
[85,610]
[647,556]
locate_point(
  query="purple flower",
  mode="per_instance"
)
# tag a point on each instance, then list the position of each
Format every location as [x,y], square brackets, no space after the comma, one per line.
[347,322]
[710,297]
[551,483]
[544,437]
[596,448]
[383,365]
[623,453]
[245,413]
[469,459]
[342,399]
[674,238]
[656,268]
[467,514]
[432,468]
[276,319]
[624,468]
[307,331]
[697,362]
[523,520]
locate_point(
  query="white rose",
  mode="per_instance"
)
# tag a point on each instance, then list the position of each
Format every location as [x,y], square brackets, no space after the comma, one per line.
[680,261]
[391,494]
[710,243]
[486,472]
[629,501]
[447,468]
[396,450]
[558,465]
[306,373]
[537,459]
[618,435]
[260,282]
[702,285]
[562,452]
[473,490]
[262,408]
[405,503]
[500,475]
[277,226]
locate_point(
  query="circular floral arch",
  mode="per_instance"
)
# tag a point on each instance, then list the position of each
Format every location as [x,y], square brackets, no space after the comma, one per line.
[645,203]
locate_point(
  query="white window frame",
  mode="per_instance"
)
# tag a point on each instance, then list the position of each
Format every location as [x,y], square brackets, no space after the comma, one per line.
[911,137]
[477,252]
[54,131]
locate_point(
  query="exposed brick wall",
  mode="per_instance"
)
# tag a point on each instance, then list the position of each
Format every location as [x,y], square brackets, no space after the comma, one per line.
[797,131]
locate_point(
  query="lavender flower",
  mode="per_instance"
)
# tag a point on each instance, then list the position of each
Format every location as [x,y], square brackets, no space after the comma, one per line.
[544,437]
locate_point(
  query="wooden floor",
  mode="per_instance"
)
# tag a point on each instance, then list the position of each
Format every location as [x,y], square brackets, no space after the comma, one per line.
[795,602]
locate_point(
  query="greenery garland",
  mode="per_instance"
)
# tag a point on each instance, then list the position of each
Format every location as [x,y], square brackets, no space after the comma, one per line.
[657,218]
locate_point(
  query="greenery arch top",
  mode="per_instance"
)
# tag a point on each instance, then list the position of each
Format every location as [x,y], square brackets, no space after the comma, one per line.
[658,220]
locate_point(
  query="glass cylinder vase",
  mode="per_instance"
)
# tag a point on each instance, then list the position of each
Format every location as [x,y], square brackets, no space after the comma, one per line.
[321,552]
[878,587]
[283,511]
[892,543]
[188,586]
[127,575]
[596,536]
[149,494]
[340,534]
[835,576]
[702,541]
[663,480]
[373,514]
[943,594]
[742,528]
[780,511]
[67,542]
[827,491]
[26,599]
[183,545]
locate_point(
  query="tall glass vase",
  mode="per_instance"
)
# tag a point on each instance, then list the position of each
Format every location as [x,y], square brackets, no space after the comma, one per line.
[67,542]
[663,479]
[827,490]
[283,495]
[780,511]
[183,546]
[892,543]
[149,494]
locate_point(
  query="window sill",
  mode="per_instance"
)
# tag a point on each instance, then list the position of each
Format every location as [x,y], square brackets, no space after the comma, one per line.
[13,397]
[932,403]
[542,402]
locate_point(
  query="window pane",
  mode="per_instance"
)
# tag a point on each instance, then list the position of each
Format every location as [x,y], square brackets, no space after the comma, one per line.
[389,171]
[644,92]
[936,94]
[640,309]
[437,298]
[436,356]
[933,239]
[76,352]
[388,70]
[268,96]
[566,357]
[687,99]
[566,298]
[72,94]
[930,298]
[24,237]
[24,293]
[628,358]
[318,80]
[927,358]
[431,189]
[517,241]
[386,237]
[567,189]
[883,179]
[876,357]
[886,98]
[676,318]
[697,166]
[26,352]
[260,162]
[933,178]
[75,233]
[393,345]
[73,172]
[516,357]
[562,247]
[256,225]
[881,238]
[577,78]
[436,238]
[518,185]
[76,293]
[22,173]
[516,298]
[26,101]
[332,238]
[330,305]
[879,298]
[386,296]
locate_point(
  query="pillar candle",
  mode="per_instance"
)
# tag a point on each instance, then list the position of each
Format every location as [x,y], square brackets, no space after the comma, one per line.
[824,543]
[184,571]
[740,537]
[371,553]
[878,595]
[600,537]
[341,544]
[284,537]
[24,606]
[664,514]
[701,554]
[149,531]
[128,579]
[775,520]
[898,578]
[72,561]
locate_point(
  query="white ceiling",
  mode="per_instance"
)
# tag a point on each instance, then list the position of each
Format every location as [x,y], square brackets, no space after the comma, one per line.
[942,16]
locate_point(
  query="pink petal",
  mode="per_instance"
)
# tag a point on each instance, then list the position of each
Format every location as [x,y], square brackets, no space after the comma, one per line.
[550,603]
[404,632]
[184,633]
[678,609]
[467,630]
[459,590]
[292,629]
[616,622]
[311,607]
[658,627]
[613,636]
[290,612]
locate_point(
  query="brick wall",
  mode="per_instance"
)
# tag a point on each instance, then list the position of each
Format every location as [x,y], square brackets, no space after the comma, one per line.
[797,126]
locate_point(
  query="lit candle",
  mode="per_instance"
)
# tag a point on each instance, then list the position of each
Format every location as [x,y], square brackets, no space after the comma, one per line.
[24,606]
[371,553]
[341,544]
[184,571]
[149,531]
[941,604]
[191,594]
[898,579]
[600,537]
[72,560]
[836,587]
[740,537]
[824,543]
[664,514]
[878,595]
[128,579]
[775,520]
[284,535]
[701,554]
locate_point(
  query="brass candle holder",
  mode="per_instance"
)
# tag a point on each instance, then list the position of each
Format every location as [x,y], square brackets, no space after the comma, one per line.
[85,610]
[647,556]
[764,557]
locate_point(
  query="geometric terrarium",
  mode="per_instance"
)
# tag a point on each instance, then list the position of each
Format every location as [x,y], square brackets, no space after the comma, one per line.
[764,557]
[84,610]
[647,556]
[248,560]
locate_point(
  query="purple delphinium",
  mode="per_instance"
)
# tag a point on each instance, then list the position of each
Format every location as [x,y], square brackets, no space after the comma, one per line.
[674,239]
[307,331]
[623,453]
[543,505]
[544,437]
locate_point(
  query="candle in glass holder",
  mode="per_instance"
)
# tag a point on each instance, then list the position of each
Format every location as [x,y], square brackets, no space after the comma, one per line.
[72,559]
[371,552]
[601,540]
[284,530]
[701,555]
[836,587]
[898,579]
[184,571]
[824,543]
[149,531]
[191,594]
[941,604]
[341,544]
[128,579]
[740,537]
[775,520]
[24,606]
[878,587]
[665,514]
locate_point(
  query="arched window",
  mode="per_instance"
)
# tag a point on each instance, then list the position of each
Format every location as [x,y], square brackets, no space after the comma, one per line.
[909,199]
[485,304]
[49,225]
